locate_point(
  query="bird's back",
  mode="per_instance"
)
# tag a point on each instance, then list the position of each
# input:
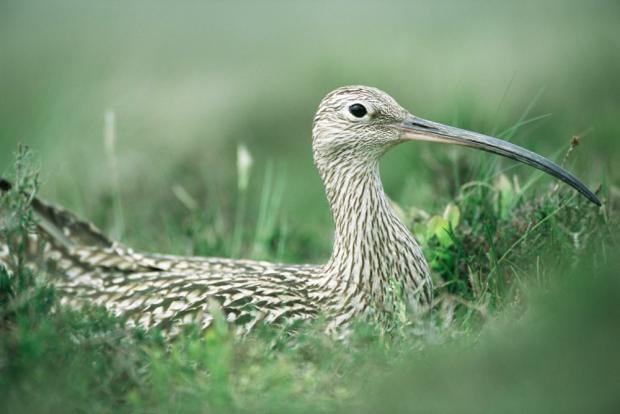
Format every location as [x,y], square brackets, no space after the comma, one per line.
[163,291]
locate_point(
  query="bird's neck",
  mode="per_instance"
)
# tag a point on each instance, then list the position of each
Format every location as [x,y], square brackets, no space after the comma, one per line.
[374,254]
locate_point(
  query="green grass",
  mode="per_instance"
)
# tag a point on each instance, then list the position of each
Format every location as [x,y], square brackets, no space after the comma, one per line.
[526,271]
[494,253]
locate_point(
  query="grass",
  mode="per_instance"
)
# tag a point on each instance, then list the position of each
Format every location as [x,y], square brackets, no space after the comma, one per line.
[493,250]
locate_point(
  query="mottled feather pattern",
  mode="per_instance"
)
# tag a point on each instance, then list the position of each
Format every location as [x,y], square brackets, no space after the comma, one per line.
[373,251]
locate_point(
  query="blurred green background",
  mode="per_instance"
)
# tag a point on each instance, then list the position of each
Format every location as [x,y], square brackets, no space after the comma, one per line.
[189,81]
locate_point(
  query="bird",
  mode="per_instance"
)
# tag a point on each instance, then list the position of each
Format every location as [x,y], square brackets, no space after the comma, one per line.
[374,259]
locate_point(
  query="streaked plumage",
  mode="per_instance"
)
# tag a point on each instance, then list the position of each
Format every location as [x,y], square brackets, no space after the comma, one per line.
[374,255]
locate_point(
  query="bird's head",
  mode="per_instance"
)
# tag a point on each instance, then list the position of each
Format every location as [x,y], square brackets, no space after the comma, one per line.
[355,125]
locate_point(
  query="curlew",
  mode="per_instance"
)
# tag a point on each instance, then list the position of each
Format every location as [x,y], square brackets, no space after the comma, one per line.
[372,250]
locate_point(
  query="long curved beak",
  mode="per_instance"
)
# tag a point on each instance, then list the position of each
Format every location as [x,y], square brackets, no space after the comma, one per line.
[414,128]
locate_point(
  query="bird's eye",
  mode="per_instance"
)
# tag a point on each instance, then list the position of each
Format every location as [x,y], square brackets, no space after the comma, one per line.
[358,110]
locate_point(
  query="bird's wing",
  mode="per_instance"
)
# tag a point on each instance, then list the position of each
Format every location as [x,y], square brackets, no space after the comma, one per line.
[169,300]
[162,291]
[75,246]
[62,226]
